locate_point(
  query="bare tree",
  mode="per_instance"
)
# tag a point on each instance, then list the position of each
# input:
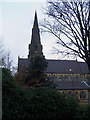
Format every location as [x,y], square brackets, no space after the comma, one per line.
[72,20]
[5,59]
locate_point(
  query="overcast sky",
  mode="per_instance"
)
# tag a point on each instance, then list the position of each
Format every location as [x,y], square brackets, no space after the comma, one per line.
[18,18]
[16,22]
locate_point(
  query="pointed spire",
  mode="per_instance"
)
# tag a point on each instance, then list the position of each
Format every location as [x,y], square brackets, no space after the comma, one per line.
[35,48]
[35,31]
[35,21]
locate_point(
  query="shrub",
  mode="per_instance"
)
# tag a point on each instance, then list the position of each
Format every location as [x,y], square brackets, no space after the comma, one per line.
[49,104]
[40,103]
[13,97]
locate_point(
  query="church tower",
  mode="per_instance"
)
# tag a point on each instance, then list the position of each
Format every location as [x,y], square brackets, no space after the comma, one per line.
[35,48]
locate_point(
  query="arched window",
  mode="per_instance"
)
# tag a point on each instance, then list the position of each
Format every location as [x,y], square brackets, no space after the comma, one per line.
[61,78]
[86,78]
[66,77]
[76,94]
[82,95]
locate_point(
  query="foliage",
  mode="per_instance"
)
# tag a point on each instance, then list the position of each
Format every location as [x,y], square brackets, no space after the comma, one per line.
[20,78]
[6,60]
[41,103]
[83,113]
[50,104]
[38,63]
[88,111]
[36,75]
[69,22]
[13,97]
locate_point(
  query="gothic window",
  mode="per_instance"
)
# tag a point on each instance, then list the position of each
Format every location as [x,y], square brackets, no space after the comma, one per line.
[76,94]
[87,78]
[61,78]
[82,95]
[66,77]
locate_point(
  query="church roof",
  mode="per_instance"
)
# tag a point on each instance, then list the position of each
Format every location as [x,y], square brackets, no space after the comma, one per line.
[67,66]
[60,66]
[72,85]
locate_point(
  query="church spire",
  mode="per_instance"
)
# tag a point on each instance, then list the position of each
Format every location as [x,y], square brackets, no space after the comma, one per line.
[35,48]
[35,31]
[35,20]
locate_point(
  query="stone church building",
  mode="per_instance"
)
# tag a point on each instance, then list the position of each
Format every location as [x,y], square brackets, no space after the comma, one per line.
[70,76]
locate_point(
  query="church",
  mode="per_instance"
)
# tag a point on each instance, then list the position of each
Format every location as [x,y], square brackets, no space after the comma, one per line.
[70,76]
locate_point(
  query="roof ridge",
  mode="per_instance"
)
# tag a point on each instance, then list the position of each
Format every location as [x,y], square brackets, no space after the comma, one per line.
[65,60]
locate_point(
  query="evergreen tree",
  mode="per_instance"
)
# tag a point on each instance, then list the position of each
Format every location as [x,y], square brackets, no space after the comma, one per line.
[36,68]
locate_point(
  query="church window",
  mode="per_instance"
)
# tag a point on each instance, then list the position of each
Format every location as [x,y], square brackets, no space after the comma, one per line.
[87,78]
[82,95]
[61,78]
[66,77]
[76,94]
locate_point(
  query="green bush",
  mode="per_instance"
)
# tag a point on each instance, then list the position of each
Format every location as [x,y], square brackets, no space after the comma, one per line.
[35,104]
[13,97]
[36,75]
[88,111]
[49,104]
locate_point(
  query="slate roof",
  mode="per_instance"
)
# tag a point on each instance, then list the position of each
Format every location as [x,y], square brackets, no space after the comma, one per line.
[59,66]
[72,85]
[64,66]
